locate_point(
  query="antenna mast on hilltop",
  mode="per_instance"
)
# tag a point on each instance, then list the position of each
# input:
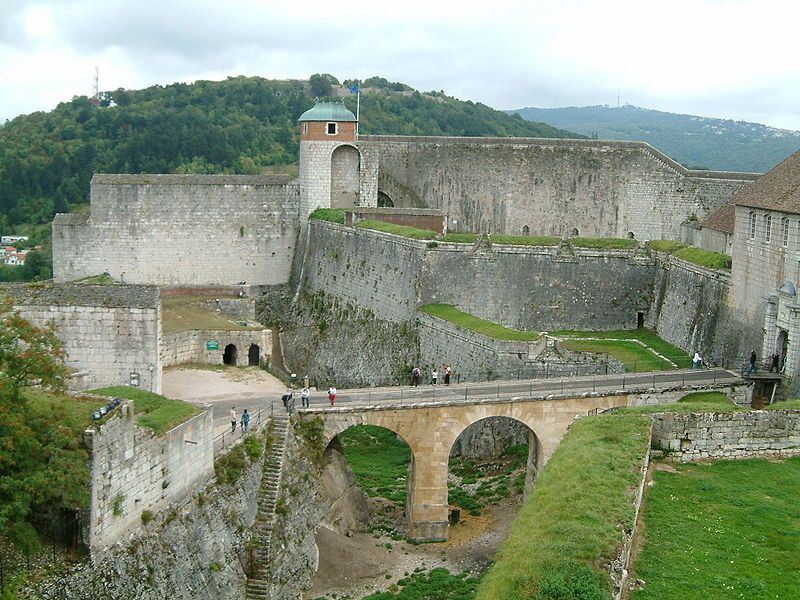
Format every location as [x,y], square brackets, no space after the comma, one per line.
[96,87]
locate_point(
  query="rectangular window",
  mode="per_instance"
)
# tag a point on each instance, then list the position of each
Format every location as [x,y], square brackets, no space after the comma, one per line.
[752,216]
[305,128]
[331,129]
[767,228]
[785,236]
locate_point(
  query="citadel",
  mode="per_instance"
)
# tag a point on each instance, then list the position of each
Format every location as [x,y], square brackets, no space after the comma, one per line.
[342,303]
[251,235]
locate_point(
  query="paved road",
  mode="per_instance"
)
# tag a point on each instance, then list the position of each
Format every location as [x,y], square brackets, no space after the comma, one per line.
[530,388]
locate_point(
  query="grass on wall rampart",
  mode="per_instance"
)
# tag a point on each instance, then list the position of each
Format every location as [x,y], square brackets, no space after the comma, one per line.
[570,527]
[401,230]
[450,313]
[153,411]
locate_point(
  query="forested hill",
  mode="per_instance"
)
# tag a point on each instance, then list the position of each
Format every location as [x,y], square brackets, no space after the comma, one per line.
[242,125]
[697,142]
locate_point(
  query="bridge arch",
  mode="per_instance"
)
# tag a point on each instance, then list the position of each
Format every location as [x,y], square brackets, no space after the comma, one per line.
[491,436]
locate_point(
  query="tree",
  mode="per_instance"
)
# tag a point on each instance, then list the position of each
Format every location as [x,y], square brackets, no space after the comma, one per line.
[28,354]
[320,85]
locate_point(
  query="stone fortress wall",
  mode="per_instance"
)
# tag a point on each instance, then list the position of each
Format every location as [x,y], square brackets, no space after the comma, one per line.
[501,185]
[109,331]
[522,287]
[133,470]
[181,230]
[192,346]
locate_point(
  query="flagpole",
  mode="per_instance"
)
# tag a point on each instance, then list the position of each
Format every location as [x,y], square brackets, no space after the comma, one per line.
[358,106]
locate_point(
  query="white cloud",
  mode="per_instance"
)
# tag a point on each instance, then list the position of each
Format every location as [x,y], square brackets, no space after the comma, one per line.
[727,58]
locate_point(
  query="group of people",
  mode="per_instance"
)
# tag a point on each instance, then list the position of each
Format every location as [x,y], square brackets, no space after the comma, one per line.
[245,422]
[774,363]
[416,375]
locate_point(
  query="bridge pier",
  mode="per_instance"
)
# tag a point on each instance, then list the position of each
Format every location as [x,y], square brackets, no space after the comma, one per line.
[426,501]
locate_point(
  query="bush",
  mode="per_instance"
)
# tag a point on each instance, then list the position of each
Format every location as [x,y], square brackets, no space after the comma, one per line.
[147,516]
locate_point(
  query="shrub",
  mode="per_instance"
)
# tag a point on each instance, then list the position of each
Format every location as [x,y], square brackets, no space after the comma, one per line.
[119,505]
[147,516]
[252,446]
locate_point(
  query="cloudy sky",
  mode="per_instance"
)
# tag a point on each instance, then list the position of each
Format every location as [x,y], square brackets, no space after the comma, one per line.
[720,58]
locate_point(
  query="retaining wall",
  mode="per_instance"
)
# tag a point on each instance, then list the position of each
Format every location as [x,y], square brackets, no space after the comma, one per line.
[133,470]
[698,436]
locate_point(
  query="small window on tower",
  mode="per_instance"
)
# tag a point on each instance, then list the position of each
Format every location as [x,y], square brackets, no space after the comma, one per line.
[305,128]
[331,128]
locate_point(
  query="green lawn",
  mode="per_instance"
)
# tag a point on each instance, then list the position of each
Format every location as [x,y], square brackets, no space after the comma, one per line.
[697,402]
[666,245]
[334,215]
[635,358]
[704,258]
[604,243]
[646,336]
[450,313]
[728,529]
[570,526]
[401,230]
[152,410]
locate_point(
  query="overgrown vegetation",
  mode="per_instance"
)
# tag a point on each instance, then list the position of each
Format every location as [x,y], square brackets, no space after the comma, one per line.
[230,466]
[312,431]
[153,411]
[450,313]
[401,230]
[436,584]
[604,243]
[692,254]
[697,402]
[189,313]
[334,215]
[379,458]
[704,258]
[721,530]
[571,525]
[474,484]
[512,240]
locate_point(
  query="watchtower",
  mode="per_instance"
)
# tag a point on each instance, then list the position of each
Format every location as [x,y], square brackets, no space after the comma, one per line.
[329,159]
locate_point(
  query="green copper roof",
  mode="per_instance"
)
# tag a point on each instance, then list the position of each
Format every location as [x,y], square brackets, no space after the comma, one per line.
[328,110]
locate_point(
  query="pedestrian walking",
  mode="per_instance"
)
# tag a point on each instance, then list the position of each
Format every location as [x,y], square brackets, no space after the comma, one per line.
[415,376]
[233,419]
[332,395]
[434,376]
[245,420]
[305,394]
[753,359]
[287,398]
[447,372]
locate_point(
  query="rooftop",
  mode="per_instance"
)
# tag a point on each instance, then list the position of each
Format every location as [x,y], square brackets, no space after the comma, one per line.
[778,189]
[328,110]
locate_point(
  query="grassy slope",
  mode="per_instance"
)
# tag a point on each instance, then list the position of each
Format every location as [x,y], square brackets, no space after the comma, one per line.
[189,313]
[153,410]
[727,529]
[574,514]
[75,413]
[379,459]
[450,313]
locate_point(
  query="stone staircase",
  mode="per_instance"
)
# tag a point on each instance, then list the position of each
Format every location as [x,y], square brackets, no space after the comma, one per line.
[258,583]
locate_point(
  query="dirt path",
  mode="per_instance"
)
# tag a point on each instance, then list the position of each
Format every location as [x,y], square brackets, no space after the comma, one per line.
[354,567]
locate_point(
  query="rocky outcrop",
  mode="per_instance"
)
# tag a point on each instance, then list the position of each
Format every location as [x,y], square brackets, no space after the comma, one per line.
[349,510]
[489,438]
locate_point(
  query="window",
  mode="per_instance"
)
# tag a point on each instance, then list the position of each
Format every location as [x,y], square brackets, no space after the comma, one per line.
[331,129]
[767,228]
[305,128]
[752,217]
[785,231]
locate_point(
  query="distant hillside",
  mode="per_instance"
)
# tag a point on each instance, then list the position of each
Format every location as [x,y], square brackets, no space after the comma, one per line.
[697,142]
[242,125]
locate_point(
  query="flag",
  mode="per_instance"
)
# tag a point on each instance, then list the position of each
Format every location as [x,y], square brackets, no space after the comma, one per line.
[354,89]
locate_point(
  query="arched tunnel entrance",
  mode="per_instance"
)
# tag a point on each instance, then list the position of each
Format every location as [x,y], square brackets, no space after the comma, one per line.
[229,356]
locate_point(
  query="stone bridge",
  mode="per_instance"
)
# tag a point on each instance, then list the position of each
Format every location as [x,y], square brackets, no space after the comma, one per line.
[431,424]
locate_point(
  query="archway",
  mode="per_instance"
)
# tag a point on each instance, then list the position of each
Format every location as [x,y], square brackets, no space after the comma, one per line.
[384,201]
[366,472]
[254,355]
[345,161]
[493,462]
[526,230]
[229,355]
[782,347]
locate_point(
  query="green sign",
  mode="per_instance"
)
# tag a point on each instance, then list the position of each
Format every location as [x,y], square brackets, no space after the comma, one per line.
[212,345]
